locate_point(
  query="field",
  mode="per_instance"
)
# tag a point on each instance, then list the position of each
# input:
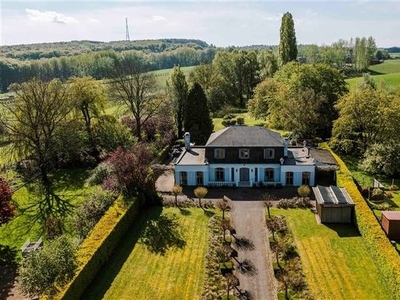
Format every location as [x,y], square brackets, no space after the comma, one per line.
[162,257]
[335,259]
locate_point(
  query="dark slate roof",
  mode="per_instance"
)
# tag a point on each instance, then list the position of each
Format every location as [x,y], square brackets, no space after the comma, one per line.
[332,195]
[249,136]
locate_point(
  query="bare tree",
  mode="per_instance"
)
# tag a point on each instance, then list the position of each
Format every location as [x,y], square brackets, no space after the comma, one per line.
[136,88]
[231,282]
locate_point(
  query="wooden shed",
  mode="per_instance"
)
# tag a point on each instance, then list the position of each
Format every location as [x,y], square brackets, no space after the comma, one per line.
[334,204]
[391,224]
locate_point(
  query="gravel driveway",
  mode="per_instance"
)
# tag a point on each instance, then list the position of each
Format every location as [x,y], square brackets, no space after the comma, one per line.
[248,220]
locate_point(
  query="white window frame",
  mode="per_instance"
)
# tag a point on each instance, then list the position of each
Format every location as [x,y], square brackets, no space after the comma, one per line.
[219,153]
[244,151]
[269,153]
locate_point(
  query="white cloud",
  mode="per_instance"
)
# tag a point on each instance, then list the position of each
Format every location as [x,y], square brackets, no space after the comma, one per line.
[158,18]
[273,18]
[49,16]
[93,20]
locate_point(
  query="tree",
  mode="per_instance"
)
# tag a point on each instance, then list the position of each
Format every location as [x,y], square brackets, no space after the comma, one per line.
[366,116]
[231,282]
[39,113]
[89,100]
[382,159]
[176,191]
[136,88]
[130,172]
[303,191]
[6,206]
[301,98]
[178,92]
[47,268]
[197,119]
[200,193]
[268,63]
[287,50]
[224,206]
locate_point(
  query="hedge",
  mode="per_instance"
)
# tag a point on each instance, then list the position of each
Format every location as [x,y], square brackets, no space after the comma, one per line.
[97,248]
[385,255]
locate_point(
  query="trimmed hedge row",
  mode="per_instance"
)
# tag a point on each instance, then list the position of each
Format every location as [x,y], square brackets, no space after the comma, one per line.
[383,252]
[97,248]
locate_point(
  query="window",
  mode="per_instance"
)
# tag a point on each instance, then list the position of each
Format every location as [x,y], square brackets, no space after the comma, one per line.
[219,174]
[183,178]
[269,153]
[289,178]
[219,153]
[244,153]
[305,178]
[199,178]
[269,174]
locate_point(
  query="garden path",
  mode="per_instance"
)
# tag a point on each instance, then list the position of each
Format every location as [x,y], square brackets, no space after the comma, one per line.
[248,219]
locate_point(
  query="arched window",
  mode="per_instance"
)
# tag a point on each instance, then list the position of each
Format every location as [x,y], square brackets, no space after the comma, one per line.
[268,174]
[183,178]
[219,174]
[305,178]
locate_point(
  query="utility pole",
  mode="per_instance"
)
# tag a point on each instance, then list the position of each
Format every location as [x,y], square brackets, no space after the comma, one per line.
[127,29]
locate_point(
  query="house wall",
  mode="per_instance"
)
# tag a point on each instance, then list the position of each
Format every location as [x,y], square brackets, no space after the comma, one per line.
[256,173]
[297,174]
[232,155]
[335,213]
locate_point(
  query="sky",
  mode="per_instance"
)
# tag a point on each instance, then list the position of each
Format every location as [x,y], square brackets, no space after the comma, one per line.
[221,23]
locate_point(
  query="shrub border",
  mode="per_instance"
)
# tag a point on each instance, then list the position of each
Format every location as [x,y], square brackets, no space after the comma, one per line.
[97,248]
[383,252]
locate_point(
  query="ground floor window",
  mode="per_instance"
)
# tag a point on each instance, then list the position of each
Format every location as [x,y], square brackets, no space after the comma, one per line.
[219,174]
[269,174]
[289,178]
[199,178]
[183,178]
[305,178]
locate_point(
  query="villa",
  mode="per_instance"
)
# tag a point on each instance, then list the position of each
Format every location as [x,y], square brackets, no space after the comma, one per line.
[245,156]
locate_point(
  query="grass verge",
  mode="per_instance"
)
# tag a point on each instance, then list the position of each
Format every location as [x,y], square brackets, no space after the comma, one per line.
[162,257]
[335,259]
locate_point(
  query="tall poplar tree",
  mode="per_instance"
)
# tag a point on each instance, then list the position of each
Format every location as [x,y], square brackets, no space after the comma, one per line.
[287,50]
[197,118]
[178,93]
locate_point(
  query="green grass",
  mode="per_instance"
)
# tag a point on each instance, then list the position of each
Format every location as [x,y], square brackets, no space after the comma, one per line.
[162,257]
[70,185]
[388,66]
[390,81]
[335,260]
[248,120]
[163,75]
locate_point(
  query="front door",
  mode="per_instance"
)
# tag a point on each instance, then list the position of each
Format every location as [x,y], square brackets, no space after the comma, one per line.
[244,174]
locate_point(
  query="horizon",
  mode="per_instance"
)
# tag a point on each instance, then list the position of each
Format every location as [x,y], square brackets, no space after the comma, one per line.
[220,23]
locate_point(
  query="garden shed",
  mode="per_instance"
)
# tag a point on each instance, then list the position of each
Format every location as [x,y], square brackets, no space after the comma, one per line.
[334,205]
[391,224]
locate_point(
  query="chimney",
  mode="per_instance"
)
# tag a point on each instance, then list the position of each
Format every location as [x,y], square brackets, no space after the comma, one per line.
[186,138]
[285,147]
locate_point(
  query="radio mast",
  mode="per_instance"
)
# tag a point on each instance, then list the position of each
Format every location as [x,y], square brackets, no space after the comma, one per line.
[127,30]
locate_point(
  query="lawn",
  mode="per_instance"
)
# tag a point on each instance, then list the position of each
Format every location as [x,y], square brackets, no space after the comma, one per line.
[70,185]
[248,120]
[162,257]
[335,259]
[163,75]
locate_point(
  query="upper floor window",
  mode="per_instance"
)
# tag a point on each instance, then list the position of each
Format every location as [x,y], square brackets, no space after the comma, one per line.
[244,153]
[269,153]
[219,153]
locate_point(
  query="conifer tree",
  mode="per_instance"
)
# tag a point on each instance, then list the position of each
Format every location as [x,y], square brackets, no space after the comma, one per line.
[197,118]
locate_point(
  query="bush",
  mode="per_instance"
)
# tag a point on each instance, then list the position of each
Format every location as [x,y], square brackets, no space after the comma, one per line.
[99,174]
[240,120]
[97,248]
